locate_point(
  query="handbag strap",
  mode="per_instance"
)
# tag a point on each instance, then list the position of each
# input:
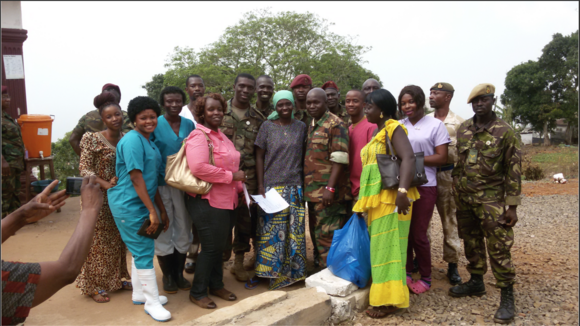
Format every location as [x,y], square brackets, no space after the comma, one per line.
[389,145]
[210,146]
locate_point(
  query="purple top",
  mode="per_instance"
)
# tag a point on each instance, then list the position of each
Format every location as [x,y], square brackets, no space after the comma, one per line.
[424,136]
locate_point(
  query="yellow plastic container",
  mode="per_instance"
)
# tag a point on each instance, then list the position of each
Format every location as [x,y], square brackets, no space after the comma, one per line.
[36,133]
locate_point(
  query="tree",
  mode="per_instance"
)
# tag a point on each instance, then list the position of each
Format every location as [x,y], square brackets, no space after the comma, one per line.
[66,161]
[545,90]
[155,86]
[280,45]
[507,114]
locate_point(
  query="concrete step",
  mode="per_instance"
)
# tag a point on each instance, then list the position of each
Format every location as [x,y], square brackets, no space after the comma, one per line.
[333,285]
[308,306]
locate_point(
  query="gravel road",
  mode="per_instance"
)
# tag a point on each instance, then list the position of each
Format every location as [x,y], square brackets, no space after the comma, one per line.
[546,257]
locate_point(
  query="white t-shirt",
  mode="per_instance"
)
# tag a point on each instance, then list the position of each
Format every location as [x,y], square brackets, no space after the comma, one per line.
[424,136]
[187,114]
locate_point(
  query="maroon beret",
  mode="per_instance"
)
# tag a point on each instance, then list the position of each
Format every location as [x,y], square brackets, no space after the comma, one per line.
[109,85]
[302,79]
[329,84]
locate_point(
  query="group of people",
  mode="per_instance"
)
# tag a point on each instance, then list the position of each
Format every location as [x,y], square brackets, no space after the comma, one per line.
[318,156]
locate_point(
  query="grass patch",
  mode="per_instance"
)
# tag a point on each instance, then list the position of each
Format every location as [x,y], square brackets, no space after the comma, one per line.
[554,159]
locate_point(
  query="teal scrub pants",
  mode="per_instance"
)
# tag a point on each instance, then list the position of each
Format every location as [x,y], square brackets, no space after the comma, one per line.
[142,248]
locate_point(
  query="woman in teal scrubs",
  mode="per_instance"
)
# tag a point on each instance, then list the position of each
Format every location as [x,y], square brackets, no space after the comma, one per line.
[171,246]
[138,168]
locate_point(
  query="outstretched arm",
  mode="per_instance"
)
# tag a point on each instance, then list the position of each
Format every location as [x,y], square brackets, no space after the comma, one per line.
[57,274]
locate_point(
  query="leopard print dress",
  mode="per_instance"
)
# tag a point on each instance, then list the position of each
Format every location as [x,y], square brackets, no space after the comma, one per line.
[106,265]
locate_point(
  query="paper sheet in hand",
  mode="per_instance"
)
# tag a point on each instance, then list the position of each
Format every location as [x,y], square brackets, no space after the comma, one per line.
[273,203]
[247,196]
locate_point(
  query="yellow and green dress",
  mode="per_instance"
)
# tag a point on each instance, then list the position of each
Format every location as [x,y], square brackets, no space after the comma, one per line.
[388,230]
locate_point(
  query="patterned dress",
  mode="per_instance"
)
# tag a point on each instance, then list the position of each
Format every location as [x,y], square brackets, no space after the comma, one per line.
[106,265]
[281,236]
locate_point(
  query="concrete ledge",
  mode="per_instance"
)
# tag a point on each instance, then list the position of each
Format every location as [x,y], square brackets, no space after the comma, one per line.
[333,285]
[346,307]
[302,307]
[230,315]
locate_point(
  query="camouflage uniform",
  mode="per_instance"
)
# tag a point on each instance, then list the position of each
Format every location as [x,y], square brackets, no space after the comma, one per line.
[243,134]
[445,201]
[92,122]
[13,153]
[327,142]
[486,178]
[267,111]
[303,116]
[343,115]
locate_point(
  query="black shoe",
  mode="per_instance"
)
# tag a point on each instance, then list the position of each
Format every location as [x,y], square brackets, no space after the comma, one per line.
[415,266]
[453,274]
[166,264]
[474,287]
[179,264]
[507,308]
[190,268]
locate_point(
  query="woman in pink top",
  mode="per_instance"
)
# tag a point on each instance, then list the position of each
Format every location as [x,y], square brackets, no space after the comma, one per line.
[213,213]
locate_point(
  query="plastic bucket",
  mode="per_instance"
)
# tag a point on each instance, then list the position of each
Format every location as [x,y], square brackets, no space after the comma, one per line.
[36,133]
[38,186]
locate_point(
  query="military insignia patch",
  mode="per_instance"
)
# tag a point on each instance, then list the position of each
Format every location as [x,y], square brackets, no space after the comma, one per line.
[439,86]
[487,89]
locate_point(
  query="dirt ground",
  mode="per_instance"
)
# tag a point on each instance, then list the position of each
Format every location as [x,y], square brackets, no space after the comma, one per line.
[45,240]
[546,255]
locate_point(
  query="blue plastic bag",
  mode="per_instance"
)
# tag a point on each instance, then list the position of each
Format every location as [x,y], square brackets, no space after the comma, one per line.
[350,252]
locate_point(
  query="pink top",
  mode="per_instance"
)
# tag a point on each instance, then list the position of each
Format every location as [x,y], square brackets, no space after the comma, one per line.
[359,135]
[224,192]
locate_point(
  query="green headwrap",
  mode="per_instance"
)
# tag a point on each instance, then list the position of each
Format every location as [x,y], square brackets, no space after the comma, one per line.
[281,95]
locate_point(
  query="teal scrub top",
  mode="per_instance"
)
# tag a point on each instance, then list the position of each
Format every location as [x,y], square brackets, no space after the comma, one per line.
[167,141]
[134,152]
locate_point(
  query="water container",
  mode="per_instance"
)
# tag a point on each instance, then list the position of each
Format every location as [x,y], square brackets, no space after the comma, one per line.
[36,133]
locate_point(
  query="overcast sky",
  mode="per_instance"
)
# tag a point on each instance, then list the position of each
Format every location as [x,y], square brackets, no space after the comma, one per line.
[73,48]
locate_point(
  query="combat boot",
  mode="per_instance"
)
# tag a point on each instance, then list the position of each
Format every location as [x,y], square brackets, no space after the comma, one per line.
[453,274]
[474,287]
[507,308]
[238,268]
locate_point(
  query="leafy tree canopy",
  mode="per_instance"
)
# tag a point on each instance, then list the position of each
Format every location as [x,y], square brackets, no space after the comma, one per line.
[280,45]
[539,92]
[66,161]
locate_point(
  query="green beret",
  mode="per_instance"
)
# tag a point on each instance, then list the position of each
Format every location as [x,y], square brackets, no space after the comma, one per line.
[481,89]
[442,87]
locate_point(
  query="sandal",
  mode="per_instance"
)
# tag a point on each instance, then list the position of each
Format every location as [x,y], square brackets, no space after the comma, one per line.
[381,312]
[252,283]
[205,302]
[224,294]
[103,295]
[419,287]
[127,285]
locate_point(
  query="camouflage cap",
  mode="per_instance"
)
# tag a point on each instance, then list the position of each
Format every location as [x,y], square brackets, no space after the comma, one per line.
[481,89]
[442,87]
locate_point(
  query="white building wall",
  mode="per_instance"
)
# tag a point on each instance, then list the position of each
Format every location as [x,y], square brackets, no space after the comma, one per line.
[11,15]
[526,138]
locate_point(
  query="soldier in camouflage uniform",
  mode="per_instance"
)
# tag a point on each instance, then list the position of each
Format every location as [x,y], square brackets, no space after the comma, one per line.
[300,86]
[264,90]
[91,122]
[12,158]
[487,177]
[439,99]
[241,124]
[333,100]
[325,161]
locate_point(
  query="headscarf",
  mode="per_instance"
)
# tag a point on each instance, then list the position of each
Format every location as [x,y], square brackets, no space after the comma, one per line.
[281,95]
[109,85]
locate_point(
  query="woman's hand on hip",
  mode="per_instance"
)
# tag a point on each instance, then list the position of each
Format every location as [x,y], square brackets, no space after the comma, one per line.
[402,203]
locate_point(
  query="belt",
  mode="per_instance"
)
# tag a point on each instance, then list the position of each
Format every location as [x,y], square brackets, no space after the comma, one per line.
[445,168]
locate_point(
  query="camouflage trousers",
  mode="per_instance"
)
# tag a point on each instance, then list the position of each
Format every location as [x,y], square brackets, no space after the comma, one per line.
[10,192]
[478,223]
[245,227]
[446,209]
[323,221]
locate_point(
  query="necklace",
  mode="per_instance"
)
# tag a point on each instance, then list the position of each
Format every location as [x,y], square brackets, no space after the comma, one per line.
[284,127]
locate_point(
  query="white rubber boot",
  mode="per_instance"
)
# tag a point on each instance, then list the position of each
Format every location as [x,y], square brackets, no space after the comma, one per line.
[152,305]
[138,297]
